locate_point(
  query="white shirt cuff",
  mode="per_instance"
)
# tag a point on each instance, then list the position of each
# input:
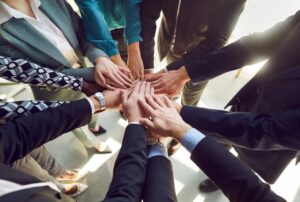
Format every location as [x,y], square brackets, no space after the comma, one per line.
[92,105]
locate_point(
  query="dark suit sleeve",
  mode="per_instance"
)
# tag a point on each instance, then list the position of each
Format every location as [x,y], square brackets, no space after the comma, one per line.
[150,12]
[20,136]
[130,167]
[219,30]
[246,129]
[235,179]
[159,184]
[247,50]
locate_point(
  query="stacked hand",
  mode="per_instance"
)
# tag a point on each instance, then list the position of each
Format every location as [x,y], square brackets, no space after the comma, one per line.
[164,118]
[169,83]
[131,99]
[110,75]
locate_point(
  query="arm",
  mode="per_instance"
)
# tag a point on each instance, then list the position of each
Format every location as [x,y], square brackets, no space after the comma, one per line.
[159,185]
[95,26]
[150,12]
[220,28]
[19,70]
[250,130]
[20,136]
[236,180]
[130,167]
[247,50]
[14,110]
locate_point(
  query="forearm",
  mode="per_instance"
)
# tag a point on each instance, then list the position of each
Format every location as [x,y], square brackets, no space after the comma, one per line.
[125,185]
[245,129]
[19,70]
[20,136]
[14,110]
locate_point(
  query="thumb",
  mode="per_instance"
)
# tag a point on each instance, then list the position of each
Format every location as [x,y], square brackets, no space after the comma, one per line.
[152,77]
[148,123]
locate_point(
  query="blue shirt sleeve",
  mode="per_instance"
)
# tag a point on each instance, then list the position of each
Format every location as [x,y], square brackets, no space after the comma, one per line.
[132,21]
[191,139]
[157,150]
[96,28]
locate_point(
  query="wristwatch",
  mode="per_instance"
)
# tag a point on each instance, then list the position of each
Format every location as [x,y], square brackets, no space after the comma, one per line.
[100,97]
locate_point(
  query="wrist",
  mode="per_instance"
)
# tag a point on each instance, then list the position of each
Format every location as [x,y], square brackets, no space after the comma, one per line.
[134,48]
[182,74]
[181,130]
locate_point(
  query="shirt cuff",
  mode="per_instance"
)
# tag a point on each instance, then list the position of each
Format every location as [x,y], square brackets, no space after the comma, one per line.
[191,139]
[134,123]
[157,150]
[92,105]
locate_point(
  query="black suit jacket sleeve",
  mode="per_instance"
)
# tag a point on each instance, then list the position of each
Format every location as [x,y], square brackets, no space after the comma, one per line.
[247,50]
[220,28]
[235,179]
[159,184]
[20,136]
[150,12]
[246,129]
[130,167]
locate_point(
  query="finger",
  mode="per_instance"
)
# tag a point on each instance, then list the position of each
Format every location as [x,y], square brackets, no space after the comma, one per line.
[127,72]
[159,101]
[160,90]
[143,88]
[141,73]
[148,88]
[152,91]
[148,123]
[152,77]
[124,95]
[115,81]
[147,108]
[109,87]
[152,102]
[168,102]
[157,84]
[137,87]
[101,78]
[124,82]
[125,77]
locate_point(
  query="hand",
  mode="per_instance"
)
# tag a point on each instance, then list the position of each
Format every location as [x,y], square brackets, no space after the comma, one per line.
[110,75]
[169,83]
[113,98]
[90,88]
[165,118]
[117,59]
[135,63]
[130,100]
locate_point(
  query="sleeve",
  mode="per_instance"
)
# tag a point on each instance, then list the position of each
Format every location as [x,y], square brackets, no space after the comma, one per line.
[235,179]
[132,21]
[150,12]
[130,168]
[246,129]
[248,50]
[95,26]
[19,70]
[20,136]
[220,28]
[88,49]
[14,110]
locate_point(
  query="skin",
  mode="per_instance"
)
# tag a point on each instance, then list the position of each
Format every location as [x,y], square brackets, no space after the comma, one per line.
[165,119]
[170,82]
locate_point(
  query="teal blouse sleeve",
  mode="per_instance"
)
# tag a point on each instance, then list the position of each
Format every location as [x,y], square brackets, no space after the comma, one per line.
[96,28]
[132,21]
[101,16]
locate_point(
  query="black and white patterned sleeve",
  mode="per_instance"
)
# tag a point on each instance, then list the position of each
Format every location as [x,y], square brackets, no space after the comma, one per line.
[13,110]
[20,70]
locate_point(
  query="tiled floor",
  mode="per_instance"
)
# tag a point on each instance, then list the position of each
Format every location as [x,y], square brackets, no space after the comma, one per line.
[70,152]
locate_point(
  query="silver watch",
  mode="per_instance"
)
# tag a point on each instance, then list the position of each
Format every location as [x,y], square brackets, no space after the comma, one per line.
[100,97]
